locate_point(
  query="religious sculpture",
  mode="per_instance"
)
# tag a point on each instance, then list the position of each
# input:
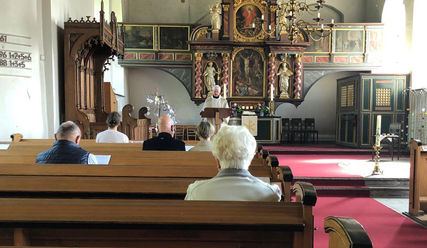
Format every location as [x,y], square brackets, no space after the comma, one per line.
[215,13]
[284,74]
[209,75]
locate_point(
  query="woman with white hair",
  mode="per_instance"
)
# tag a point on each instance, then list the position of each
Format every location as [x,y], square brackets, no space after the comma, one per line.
[233,148]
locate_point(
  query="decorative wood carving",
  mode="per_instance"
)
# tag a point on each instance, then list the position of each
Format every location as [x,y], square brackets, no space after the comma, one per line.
[87,45]
[298,77]
[135,129]
[225,72]
[235,38]
[128,122]
[198,75]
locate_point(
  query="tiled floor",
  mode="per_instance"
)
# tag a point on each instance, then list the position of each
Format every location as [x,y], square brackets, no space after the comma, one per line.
[397,204]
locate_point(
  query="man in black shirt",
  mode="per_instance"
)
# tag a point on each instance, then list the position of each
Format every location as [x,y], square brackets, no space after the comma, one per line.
[165,140]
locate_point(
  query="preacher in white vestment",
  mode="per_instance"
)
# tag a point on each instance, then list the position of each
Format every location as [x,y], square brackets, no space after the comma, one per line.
[215,101]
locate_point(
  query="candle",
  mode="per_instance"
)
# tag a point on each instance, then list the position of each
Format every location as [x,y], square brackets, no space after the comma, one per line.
[269,27]
[321,26]
[332,21]
[271,92]
[378,131]
[225,91]
[253,25]
[318,14]
[262,17]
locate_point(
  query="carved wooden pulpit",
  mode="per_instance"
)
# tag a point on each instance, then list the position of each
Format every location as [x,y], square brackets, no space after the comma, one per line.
[217,113]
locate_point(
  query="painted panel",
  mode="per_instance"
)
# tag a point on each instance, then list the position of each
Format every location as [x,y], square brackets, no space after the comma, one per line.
[400,94]
[356,59]
[341,59]
[183,56]
[342,128]
[366,94]
[322,59]
[130,56]
[264,130]
[365,128]
[165,56]
[146,56]
[307,59]
[383,95]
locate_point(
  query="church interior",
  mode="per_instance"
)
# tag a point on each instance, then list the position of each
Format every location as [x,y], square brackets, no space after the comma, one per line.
[333,91]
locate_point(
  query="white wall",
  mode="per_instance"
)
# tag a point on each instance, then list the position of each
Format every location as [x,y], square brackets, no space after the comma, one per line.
[144,81]
[20,97]
[320,104]
[31,105]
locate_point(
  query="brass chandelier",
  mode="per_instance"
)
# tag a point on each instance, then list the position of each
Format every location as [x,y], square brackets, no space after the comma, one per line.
[287,21]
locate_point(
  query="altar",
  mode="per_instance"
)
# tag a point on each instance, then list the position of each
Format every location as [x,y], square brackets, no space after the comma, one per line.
[268,128]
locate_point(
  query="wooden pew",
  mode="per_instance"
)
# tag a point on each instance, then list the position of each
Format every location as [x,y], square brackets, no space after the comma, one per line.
[418,179]
[159,223]
[27,222]
[340,235]
[112,181]
[121,154]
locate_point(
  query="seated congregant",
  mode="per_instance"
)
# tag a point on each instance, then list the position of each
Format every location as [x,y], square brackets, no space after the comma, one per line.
[111,135]
[204,131]
[165,140]
[66,149]
[233,148]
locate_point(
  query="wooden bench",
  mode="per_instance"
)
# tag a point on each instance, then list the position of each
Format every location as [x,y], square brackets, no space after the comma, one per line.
[35,221]
[98,180]
[418,179]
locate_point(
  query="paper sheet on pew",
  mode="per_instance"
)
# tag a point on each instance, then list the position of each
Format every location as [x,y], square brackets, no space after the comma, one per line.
[188,148]
[103,159]
[4,146]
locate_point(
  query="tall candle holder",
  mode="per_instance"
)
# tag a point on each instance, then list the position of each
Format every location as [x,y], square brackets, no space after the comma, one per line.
[271,106]
[377,170]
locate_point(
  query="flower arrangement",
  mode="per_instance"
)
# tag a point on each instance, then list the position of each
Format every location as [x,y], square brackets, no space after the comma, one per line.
[237,109]
[263,109]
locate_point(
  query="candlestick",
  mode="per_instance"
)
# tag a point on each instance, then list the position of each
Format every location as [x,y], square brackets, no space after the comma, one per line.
[271,92]
[378,131]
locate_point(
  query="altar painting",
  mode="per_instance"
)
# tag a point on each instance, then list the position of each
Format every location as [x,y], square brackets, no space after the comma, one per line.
[248,67]
[139,37]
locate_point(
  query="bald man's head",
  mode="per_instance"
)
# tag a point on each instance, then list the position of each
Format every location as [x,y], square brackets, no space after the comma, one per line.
[68,131]
[166,125]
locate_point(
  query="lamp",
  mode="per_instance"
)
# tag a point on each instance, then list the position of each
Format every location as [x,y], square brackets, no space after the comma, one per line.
[286,20]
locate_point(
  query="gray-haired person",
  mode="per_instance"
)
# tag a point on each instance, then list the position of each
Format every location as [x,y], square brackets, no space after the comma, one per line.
[233,148]
[204,131]
[66,149]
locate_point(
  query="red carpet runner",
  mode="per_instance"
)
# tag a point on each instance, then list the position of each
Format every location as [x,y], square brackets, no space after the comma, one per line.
[385,227]
[318,165]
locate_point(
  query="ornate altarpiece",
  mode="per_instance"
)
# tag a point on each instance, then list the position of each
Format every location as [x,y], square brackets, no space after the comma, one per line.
[247,56]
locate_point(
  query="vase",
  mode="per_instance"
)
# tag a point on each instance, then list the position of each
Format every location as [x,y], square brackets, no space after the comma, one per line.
[261,113]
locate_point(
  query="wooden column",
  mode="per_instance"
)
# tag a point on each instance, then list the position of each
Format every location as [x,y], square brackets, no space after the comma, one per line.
[198,76]
[298,77]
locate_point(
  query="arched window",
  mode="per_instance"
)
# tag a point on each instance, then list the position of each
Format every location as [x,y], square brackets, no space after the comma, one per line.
[395,49]
[419,50]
